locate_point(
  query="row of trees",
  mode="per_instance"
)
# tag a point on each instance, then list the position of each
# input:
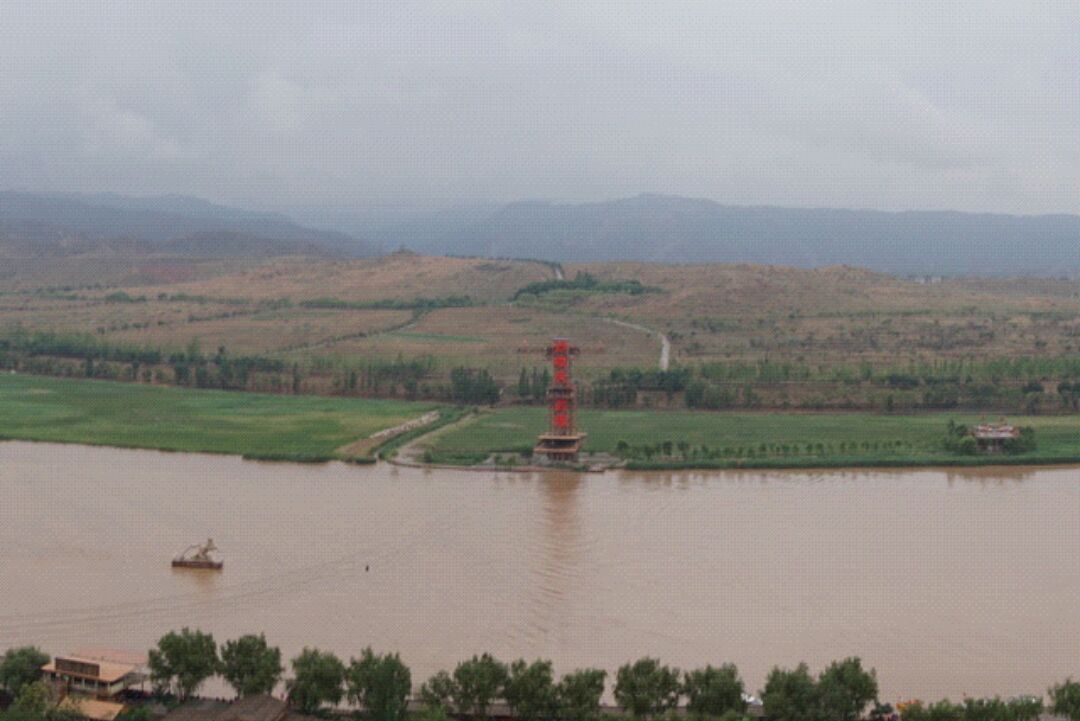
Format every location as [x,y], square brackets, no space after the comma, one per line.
[685,451]
[944,371]
[102,359]
[1022,384]
[420,304]
[191,367]
[473,386]
[585,282]
[381,685]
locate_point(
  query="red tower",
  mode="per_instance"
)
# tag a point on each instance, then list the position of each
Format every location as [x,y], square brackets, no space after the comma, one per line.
[562,442]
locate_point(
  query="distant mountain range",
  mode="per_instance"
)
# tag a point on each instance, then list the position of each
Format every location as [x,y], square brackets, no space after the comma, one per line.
[657,228]
[69,224]
[670,229]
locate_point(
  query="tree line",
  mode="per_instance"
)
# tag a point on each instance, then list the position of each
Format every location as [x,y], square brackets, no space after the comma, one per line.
[421,304]
[668,450]
[380,687]
[1025,385]
[585,282]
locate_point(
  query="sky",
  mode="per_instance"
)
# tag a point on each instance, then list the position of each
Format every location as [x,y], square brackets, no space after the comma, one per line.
[908,104]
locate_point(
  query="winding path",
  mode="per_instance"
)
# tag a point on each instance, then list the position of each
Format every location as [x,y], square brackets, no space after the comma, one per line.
[665,342]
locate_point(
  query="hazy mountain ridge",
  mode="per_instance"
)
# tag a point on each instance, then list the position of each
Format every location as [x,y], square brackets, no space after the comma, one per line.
[684,230]
[652,228]
[52,223]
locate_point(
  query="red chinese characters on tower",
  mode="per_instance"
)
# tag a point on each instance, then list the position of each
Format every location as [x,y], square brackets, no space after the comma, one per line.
[561,392]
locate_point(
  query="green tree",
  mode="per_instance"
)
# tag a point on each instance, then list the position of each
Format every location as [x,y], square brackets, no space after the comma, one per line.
[714,691]
[34,703]
[439,692]
[647,688]
[530,690]
[994,709]
[846,689]
[944,710]
[881,712]
[473,385]
[578,694]
[194,352]
[1026,708]
[250,666]
[138,713]
[380,684]
[1065,699]
[431,713]
[21,666]
[317,679]
[182,661]
[791,695]
[477,682]
[181,374]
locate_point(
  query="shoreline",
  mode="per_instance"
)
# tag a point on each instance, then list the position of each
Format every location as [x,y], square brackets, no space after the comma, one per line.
[310,430]
[1019,464]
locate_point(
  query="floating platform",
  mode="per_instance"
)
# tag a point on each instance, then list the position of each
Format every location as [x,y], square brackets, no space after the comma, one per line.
[189,563]
[199,556]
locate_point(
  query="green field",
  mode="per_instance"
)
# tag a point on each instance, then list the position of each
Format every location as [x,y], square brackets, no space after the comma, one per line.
[758,439]
[318,428]
[141,416]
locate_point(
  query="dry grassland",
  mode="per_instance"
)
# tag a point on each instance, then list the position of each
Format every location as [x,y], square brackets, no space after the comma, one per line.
[291,329]
[494,337]
[400,276]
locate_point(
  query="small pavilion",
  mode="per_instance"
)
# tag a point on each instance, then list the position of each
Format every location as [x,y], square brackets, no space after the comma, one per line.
[991,437]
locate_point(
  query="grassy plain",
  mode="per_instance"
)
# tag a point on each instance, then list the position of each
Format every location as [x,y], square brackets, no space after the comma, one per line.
[20,272]
[811,439]
[400,276]
[285,329]
[141,416]
[835,338]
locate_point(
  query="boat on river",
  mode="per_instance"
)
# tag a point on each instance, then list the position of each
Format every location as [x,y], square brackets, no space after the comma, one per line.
[200,555]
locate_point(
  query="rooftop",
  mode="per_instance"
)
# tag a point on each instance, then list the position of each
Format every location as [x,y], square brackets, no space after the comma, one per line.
[995,431]
[92,709]
[110,655]
[74,666]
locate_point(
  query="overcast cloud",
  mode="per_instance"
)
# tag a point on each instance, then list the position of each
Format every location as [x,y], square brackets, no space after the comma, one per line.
[892,105]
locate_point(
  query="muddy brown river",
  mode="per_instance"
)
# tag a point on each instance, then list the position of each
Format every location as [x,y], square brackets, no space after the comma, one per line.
[946,582]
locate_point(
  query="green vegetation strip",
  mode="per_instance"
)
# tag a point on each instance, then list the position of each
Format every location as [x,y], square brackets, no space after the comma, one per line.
[584,282]
[257,426]
[750,439]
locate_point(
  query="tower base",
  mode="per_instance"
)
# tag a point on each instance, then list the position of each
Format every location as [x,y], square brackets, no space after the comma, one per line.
[559,448]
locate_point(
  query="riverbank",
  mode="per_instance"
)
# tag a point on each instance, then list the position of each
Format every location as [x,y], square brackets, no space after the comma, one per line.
[653,440]
[253,425]
[318,429]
